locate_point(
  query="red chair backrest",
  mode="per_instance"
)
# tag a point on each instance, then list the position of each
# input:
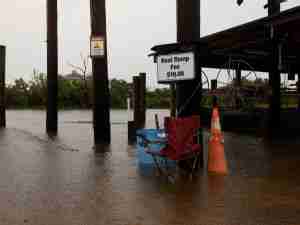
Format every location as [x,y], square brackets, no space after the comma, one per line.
[181,134]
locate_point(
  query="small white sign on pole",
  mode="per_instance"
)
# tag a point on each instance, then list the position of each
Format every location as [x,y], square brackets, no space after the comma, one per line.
[97,46]
[175,67]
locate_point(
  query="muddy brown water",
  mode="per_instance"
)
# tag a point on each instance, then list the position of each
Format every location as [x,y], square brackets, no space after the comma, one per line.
[63,181]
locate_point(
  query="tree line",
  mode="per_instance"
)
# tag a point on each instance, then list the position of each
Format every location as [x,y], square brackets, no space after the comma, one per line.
[75,94]
[78,94]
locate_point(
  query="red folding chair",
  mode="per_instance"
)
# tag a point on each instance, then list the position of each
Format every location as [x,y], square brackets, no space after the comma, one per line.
[182,136]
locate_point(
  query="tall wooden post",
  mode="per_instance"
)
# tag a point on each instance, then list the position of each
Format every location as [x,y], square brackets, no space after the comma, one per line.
[142,97]
[188,30]
[274,72]
[188,20]
[2,86]
[137,102]
[273,7]
[139,114]
[238,84]
[298,91]
[238,77]
[101,106]
[52,67]
[173,100]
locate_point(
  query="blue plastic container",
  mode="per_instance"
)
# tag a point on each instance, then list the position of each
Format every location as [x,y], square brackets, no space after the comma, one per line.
[145,161]
[151,135]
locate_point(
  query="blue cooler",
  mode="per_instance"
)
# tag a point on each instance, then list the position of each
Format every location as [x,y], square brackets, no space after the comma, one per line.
[145,161]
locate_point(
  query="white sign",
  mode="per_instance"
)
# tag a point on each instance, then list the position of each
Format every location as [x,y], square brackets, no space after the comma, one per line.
[97,46]
[175,67]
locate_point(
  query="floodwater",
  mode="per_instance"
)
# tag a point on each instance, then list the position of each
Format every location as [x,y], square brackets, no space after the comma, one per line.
[63,181]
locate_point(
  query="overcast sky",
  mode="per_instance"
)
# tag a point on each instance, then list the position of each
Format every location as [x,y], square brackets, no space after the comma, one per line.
[134,26]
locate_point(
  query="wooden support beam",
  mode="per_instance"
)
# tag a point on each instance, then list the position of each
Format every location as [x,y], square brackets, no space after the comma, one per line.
[189,93]
[238,84]
[137,101]
[238,77]
[273,7]
[101,105]
[274,73]
[2,86]
[188,20]
[139,89]
[275,84]
[188,30]
[173,100]
[52,67]
[142,97]
[298,91]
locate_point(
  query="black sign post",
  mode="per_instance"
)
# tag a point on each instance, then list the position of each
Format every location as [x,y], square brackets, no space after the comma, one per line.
[101,105]
[274,73]
[188,30]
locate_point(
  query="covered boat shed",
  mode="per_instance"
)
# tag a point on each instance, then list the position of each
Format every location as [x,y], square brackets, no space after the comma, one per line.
[270,44]
[252,42]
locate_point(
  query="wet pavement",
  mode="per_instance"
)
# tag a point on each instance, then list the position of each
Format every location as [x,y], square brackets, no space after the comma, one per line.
[62,181]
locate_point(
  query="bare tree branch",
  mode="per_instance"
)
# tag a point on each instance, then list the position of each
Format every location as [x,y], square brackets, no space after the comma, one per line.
[76,67]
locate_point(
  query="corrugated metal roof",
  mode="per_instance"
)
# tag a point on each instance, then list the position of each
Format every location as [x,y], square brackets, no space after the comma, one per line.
[250,42]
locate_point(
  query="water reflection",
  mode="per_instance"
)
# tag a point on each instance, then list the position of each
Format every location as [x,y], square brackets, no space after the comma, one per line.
[216,184]
[44,180]
[102,148]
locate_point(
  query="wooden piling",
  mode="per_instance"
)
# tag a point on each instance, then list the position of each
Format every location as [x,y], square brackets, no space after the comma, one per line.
[188,30]
[131,132]
[139,106]
[274,73]
[173,100]
[273,7]
[142,97]
[52,67]
[139,83]
[238,77]
[134,125]
[156,122]
[2,86]
[298,91]
[137,101]
[238,84]
[101,105]
[188,20]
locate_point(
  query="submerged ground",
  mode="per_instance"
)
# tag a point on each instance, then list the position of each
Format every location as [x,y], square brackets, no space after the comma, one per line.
[63,181]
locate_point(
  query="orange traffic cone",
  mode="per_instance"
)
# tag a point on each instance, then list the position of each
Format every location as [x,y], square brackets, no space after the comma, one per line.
[216,154]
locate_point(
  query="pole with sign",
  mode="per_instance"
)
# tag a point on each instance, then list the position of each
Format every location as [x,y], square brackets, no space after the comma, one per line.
[188,30]
[101,104]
